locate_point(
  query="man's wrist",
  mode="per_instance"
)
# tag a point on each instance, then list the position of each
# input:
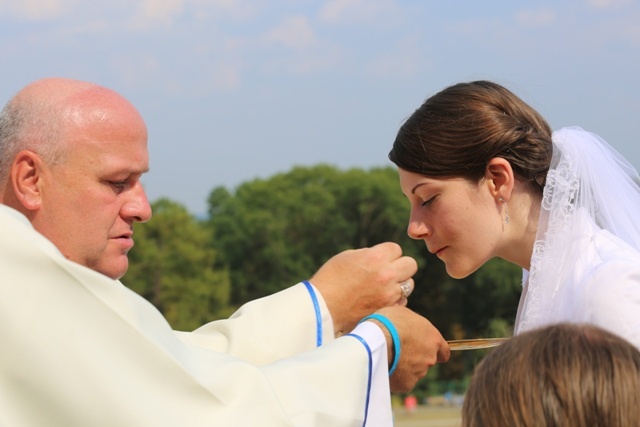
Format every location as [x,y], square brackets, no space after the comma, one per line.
[391,336]
[387,337]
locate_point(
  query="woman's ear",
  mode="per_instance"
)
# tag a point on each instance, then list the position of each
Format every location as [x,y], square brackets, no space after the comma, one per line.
[26,176]
[500,178]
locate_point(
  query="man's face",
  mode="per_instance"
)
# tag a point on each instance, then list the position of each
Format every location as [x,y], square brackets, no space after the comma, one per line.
[92,198]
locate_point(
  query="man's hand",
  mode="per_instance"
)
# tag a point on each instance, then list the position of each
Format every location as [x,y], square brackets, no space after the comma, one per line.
[421,345]
[355,283]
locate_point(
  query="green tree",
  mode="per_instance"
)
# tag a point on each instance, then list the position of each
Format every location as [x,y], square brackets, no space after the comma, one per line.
[274,232]
[173,266]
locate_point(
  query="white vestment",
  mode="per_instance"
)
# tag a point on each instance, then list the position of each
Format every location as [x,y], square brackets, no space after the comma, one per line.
[78,349]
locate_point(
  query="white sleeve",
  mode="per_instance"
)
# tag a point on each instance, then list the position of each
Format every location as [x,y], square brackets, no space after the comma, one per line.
[270,328]
[379,408]
[613,291]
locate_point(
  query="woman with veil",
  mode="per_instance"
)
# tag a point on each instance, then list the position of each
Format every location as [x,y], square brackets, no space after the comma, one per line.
[486,177]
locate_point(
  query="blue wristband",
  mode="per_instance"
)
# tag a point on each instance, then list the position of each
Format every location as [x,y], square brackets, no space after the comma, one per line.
[394,337]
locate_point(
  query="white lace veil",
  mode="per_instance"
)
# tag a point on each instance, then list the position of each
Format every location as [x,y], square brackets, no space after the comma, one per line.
[587,178]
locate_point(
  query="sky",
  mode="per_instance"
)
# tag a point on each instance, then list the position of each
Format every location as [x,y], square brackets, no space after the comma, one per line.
[235,90]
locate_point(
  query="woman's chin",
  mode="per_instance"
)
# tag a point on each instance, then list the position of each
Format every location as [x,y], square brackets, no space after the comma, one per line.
[456,272]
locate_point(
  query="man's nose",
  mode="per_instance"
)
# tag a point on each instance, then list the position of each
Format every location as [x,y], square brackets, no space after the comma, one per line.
[137,207]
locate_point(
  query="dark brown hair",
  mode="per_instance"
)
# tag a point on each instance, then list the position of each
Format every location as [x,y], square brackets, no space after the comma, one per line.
[562,375]
[457,131]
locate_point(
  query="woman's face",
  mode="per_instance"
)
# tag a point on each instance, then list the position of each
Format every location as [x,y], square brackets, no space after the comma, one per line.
[460,221]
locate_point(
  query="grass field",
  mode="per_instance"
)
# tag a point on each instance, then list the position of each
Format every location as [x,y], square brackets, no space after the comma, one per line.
[428,416]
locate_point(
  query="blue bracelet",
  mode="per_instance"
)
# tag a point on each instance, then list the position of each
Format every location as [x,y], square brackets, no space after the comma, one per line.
[394,337]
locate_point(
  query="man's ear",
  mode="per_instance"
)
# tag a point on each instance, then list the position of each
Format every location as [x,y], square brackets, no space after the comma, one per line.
[26,179]
[500,178]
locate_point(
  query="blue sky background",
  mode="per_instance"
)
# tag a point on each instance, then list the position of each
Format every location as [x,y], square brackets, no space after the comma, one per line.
[233,90]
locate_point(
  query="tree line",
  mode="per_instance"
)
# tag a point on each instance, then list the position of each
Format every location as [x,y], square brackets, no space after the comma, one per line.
[268,234]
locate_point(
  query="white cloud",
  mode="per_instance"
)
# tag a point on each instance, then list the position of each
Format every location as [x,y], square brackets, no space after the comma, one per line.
[226,76]
[138,13]
[238,10]
[317,62]
[155,13]
[608,4]
[357,11]
[632,34]
[152,13]
[622,30]
[536,18]
[35,10]
[135,71]
[469,27]
[406,58]
[294,31]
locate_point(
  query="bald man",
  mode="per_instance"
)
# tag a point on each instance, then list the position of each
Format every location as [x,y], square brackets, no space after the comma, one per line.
[81,349]
[71,163]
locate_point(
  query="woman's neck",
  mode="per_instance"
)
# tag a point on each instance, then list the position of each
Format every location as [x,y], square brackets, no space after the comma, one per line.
[524,209]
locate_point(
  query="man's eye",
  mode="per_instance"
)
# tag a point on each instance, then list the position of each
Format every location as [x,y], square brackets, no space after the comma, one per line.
[119,184]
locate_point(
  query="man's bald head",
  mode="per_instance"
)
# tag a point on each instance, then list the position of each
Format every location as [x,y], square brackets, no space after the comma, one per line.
[71,157]
[36,117]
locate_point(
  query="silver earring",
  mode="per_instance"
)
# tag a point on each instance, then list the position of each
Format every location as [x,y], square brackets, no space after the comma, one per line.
[506,209]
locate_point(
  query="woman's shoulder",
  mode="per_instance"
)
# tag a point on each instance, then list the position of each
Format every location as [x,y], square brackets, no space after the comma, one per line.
[614,269]
[598,247]
[611,249]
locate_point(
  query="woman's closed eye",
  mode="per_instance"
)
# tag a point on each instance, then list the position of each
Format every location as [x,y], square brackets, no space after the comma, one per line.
[428,202]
